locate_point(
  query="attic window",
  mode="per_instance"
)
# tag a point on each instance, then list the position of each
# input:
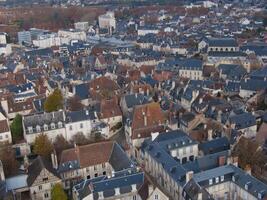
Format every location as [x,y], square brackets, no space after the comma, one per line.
[45,127]
[52,126]
[210,181]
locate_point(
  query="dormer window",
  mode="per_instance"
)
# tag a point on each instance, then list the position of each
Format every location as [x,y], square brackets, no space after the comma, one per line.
[52,126]
[38,128]
[210,181]
[59,124]
[30,129]
[45,127]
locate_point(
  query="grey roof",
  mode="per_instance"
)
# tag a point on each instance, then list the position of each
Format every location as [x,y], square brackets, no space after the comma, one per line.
[81,115]
[222,42]
[243,120]
[235,175]
[36,167]
[122,180]
[216,145]
[43,119]
[135,99]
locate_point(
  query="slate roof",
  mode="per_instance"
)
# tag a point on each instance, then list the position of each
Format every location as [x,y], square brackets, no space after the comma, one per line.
[214,146]
[36,167]
[122,180]
[222,42]
[243,120]
[135,99]
[94,154]
[81,115]
[233,174]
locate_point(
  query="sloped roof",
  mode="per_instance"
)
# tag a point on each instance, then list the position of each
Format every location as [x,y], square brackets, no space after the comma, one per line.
[36,167]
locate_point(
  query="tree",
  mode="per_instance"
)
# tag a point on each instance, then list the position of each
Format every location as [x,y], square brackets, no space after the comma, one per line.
[42,146]
[7,156]
[61,144]
[16,128]
[54,101]
[249,153]
[58,192]
[80,139]
[74,103]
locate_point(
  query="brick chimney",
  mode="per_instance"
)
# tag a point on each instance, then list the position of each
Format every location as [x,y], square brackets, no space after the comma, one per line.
[222,160]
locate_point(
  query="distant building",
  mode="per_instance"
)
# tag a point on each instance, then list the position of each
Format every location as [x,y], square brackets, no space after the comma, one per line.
[5,133]
[107,21]
[24,37]
[72,34]
[3,39]
[84,26]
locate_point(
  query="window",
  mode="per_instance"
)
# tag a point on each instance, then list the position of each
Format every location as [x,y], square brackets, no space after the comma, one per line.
[156,196]
[134,197]
[210,182]
[222,178]
[38,128]
[6,136]
[103,165]
[45,179]
[96,174]
[217,180]
[104,173]
[46,195]
[191,149]
[70,127]
[40,187]
[184,150]
[59,124]
[81,125]
[95,167]
[52,126]
[45,127]
[88,177]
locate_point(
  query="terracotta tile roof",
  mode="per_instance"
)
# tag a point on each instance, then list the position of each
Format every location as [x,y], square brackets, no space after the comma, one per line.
[19,106]
[147,69]
[134,75]
[109,108]
[89,155]
[162,76]
[4,126]
[154,119]
[103,83]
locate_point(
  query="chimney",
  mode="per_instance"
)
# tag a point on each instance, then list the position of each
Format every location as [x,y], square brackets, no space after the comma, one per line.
[221,160]
[210,135]
[145,119]
[54,160]
[248,169]
[76,147]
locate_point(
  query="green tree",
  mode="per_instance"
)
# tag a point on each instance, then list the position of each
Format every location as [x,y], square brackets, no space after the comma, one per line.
[43,146]
[58,193]
[54,101]
[16,128]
